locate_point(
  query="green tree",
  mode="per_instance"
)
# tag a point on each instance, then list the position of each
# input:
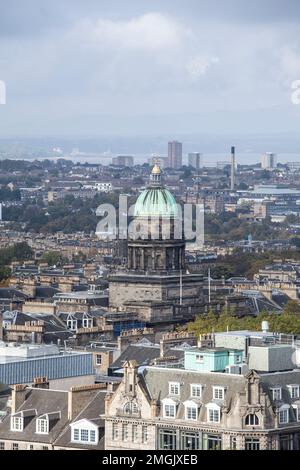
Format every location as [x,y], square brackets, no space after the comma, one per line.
[53,258]
[292,307]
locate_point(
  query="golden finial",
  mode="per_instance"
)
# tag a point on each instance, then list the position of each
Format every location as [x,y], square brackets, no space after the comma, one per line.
[156,169]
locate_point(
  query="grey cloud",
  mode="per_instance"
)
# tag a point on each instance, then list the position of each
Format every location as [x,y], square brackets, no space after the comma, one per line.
[80,66]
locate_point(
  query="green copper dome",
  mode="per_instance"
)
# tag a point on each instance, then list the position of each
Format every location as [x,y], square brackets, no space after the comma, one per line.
[156,201]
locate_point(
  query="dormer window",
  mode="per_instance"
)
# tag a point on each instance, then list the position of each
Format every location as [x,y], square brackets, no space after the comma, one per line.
[283,414]
[294,391]
[72,325]
[87,322]
[297,412]
[196,391]
[42,426]
[84,432]
[46,421]
[174,389]
[191,411]
[218,393]
[276,393]
[169,408]
[213,413]
[17,423]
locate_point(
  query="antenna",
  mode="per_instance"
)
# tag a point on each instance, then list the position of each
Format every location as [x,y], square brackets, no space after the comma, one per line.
[209,289]
[232,186]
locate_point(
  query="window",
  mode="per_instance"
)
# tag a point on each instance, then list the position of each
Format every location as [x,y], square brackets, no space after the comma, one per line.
[167,439]
[196,390]
[135,433]
[251,420]
[286,442]
[213,416]
[174,388]
[45,448]
[190,441]
[213,413]
[233,443]
[169,410]
[42,426]
[297,412]
[125,432]
[115,432]
[30,447]
[191,412]
[294,391]
[199,358]
[98,359]
[283,416]
[15,446]
[72,324]
[16,423]
[252,444]
[131,408]
[276,393]
[87,323]
[2,446]
[145,434]
[218,393]
[212,442]
[238,359]
[297,441]
[84,435]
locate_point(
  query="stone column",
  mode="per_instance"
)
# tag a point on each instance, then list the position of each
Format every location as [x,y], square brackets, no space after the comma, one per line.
[142,258]
[134,259]
[173,258]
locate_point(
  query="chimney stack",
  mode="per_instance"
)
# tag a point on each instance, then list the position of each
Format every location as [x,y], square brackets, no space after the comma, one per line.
[79,397]
[233,164]
[41,382]
[18,397]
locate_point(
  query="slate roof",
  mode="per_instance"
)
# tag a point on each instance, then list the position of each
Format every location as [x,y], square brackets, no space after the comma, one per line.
[143,354]
[46,292]
[156,381]
[281,380]
[91,412]
[54,327]
[11,293]
[43,401]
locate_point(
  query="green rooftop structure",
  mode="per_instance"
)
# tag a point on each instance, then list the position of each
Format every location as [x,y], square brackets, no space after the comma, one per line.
[156,201]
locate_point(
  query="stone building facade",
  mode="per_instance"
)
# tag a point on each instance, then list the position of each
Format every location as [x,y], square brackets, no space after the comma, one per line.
[162,408]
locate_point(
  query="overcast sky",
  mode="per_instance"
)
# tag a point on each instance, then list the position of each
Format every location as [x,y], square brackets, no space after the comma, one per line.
[133,67]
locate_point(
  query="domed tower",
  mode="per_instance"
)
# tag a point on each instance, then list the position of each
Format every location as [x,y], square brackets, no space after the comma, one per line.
[156,287]
[156,243]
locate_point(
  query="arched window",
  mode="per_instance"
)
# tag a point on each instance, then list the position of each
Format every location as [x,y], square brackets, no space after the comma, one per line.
[130,408]
[252,420]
